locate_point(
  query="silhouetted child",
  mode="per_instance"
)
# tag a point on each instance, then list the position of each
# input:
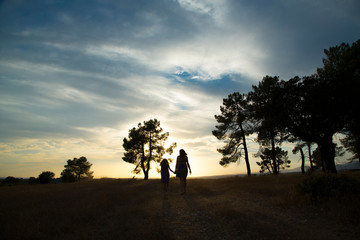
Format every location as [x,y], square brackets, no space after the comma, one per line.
[165,175]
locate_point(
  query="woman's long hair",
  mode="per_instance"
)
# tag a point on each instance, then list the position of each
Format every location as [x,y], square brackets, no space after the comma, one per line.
[182,153]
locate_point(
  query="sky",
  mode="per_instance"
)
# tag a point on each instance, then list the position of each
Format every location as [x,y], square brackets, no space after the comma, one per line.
[75,76]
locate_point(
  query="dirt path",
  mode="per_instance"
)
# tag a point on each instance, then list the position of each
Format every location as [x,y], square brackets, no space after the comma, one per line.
[184,219]
[195,216]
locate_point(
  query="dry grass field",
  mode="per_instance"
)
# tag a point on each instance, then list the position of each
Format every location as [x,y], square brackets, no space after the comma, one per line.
[258,207]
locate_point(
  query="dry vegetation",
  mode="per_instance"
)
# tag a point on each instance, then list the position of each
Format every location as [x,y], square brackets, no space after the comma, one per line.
[265,207]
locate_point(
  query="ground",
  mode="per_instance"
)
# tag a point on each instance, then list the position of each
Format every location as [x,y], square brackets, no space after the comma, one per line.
[230,208]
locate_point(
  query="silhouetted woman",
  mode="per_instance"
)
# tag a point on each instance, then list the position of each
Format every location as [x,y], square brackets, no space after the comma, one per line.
[181,169]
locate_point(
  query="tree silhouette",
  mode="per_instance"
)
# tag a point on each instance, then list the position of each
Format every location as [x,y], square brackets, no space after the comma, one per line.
[234,126]
[267,111]
[299,147]
[310,109]
[77,169]
[351,141]
[45,177]
[32,180]
[323,104]
[267,163]
[11,180]
[145,144]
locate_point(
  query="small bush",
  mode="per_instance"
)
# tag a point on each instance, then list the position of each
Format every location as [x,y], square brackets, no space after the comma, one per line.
[32,180]
[45,177]
[11,180]
[325,187]
[68,176]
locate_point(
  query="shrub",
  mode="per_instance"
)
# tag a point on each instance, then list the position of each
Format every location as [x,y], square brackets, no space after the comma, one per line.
[327,186]
[68,176]
[45,177]
[11,180]
[32,180]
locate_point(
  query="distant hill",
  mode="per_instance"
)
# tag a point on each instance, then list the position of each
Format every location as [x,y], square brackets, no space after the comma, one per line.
[354,165]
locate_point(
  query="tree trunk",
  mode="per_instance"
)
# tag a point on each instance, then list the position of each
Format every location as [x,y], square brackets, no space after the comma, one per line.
[143,163]
[146,175]
[327,153]
[310,158]
[302,161]
[246,151]
[273,156]
[146,168]
[271,171]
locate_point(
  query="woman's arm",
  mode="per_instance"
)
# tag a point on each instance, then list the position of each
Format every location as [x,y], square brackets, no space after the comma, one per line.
[188,164]
[176,167]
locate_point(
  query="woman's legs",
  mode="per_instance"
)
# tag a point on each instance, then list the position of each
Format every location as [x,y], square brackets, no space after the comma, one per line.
[183,185]
[166,186]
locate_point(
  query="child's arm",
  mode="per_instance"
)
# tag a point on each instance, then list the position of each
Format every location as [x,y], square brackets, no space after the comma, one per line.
[170,169]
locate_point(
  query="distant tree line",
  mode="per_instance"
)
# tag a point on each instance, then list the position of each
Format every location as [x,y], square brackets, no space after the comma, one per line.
[305,111]
[75,170]
[43,178]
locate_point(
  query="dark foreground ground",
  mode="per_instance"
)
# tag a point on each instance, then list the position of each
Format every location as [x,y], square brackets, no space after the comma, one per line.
[264,207]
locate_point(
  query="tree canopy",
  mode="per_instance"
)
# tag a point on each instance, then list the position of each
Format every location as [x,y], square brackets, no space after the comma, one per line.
[76,170]
[144,144]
